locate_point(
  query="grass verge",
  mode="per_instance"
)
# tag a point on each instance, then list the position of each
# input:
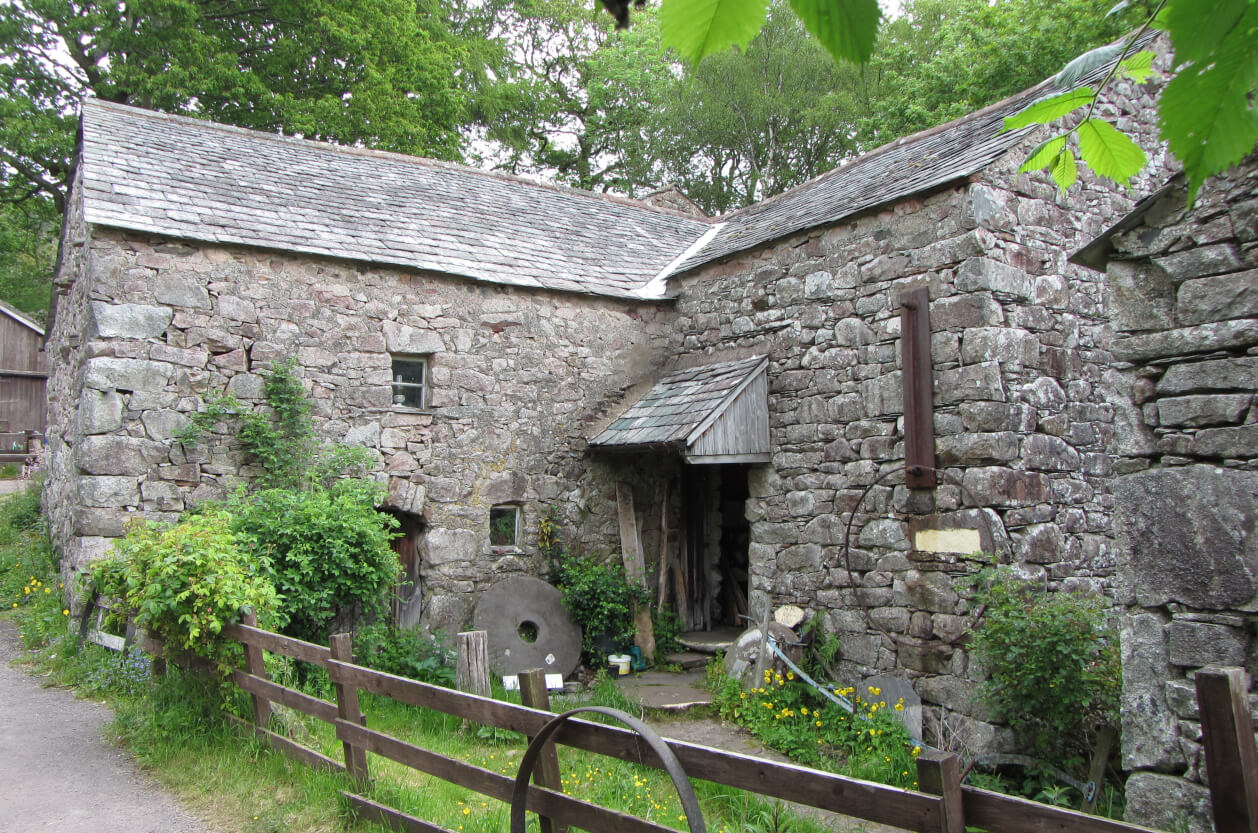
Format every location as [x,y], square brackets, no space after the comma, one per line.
[174,725]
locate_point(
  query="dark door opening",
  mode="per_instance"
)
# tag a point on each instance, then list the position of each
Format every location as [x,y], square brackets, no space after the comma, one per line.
[407,603]
[718,537]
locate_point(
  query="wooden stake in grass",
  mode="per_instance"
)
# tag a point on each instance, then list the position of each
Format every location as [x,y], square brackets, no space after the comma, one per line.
[533,694]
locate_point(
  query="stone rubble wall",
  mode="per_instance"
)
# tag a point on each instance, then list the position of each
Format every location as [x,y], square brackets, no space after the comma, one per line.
[1023,427]
[152,327]
[1184,293]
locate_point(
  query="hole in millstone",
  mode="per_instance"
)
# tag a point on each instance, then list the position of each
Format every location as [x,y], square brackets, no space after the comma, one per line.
[527,631]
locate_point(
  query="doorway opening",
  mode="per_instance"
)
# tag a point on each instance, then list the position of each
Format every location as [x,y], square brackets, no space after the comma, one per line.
[407,602]
[718,538]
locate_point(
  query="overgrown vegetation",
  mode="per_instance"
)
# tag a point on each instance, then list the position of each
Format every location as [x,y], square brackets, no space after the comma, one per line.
[174,724]
[1054,665]
[310,519]
[596,594]
[791,717]
[183,583]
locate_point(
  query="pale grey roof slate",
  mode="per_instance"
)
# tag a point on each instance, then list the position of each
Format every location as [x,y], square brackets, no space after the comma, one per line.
[897,170]
[677,404]
[193,179]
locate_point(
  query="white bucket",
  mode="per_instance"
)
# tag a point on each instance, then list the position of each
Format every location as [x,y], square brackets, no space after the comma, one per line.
[619,663]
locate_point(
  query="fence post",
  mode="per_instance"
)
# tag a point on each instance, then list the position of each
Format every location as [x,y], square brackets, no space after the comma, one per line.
[347,709]
[255,665]
[1227,731]
[939,773]
[472,670]
[533,694]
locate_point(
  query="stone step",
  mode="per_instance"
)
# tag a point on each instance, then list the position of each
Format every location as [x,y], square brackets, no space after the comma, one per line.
[688,660]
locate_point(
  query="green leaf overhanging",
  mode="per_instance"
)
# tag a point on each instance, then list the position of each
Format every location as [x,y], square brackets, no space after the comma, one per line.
[1108,151]
[1043,154]
[1050,108]
[1207,113]
[846,28]
[1087,62]
[1137,67]
[1065,172]
[698,28]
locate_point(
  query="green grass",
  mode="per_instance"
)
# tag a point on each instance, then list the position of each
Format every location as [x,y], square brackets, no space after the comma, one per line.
[174,726]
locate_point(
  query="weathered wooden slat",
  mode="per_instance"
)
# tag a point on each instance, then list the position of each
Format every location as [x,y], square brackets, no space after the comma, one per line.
[939,773]
[544,802]
[255,664]
[289,747]
[277,644]
[1000,813]
[347,707]
[302,702]
[1231,761]
[850,796]
[384,815]
[533,694]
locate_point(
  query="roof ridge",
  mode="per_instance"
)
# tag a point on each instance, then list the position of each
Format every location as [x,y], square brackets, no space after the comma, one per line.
[391,155]
[21,317]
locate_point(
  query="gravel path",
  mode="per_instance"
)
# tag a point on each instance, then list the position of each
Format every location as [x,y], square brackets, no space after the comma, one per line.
[58,774]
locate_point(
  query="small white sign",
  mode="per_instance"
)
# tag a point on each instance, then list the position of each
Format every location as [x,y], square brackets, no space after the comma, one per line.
[511,682]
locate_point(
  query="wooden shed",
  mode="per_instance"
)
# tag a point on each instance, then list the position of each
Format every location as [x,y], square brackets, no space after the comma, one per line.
[23,376]
[715,419]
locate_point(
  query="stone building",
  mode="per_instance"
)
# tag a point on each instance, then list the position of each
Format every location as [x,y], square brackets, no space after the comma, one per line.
[1183,291]
[511,350]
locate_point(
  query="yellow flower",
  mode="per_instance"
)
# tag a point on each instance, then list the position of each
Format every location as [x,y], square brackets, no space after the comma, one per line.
[46,590]
[467,811]
[26,591]
[917,750]
[15,604]
[803,710]
[63,612]
[899,706]
[818,724]
[742,695]
[790,675]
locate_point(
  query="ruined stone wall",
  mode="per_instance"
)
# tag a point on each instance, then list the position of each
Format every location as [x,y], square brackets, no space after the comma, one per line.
[1184,290]
[1019,344]
[152,327]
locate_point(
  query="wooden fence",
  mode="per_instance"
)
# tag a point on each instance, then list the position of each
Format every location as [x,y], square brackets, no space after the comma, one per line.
[945,805]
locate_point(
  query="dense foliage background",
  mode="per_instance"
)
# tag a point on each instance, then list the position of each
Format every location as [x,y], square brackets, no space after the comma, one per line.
[542,87]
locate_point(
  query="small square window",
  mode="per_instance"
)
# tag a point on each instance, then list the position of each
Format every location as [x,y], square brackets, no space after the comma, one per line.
[504,527]
[410,381]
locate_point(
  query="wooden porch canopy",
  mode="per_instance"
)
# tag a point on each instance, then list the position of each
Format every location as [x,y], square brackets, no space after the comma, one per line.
[716,413]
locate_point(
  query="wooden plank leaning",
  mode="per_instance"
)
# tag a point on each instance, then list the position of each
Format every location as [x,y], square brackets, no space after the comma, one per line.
[1231,760]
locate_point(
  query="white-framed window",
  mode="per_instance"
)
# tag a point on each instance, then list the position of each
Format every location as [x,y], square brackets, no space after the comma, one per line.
[504,527]
[410,382]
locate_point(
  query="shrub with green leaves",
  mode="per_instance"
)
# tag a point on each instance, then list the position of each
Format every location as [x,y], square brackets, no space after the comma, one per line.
[1055,672]
[600,599]
[183,583]
[327,551]
[406,652]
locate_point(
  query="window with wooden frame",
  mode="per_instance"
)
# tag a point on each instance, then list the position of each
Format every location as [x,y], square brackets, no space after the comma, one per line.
[410,382]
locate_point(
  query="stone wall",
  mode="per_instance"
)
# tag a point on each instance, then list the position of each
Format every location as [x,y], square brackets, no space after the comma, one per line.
[151,327]
[1184,290]
[1019,346]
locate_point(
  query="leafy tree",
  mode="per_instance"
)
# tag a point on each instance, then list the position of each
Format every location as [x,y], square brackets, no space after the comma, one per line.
[752,124]
[28,247]
[374,72]
[573,100]
[943,59]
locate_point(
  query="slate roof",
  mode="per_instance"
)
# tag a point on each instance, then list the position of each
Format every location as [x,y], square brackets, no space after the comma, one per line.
[194,179]
[677,404]
[894,171]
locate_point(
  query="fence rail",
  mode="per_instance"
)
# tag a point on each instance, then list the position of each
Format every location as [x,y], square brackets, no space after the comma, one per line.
[945,805]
